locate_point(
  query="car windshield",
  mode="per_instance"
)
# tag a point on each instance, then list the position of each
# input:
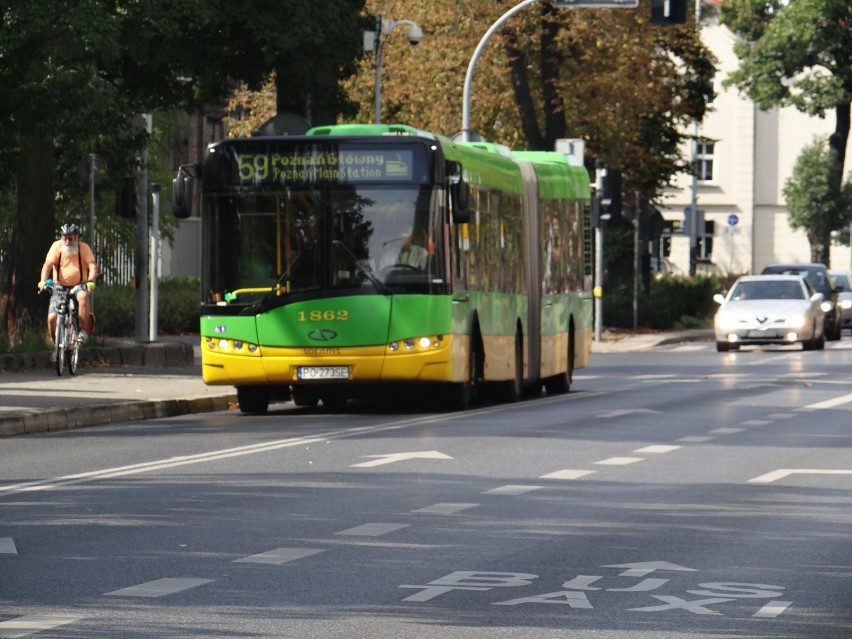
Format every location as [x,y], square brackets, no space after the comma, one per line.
[841,282]
[763,290]
[817,276]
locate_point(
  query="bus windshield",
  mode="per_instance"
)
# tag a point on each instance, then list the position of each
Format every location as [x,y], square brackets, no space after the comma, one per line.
[374,238]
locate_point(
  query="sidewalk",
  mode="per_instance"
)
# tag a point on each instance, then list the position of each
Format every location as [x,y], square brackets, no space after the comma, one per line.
[619,342]
[118,381]
[125,381]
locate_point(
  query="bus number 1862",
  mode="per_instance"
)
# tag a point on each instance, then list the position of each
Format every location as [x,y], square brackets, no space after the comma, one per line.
[324,316]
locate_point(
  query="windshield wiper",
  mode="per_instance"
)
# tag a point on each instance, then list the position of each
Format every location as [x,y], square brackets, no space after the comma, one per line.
[362,268]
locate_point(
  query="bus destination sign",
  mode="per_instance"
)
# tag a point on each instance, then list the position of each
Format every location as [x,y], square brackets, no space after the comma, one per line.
[318,165]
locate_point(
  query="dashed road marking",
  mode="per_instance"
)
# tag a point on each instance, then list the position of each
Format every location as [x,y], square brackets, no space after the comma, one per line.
[279,556]
[444,508]
[160,587]
[371,530]
[619,461]
[657,449]
[511,489]
[567,474]
[781,473]
[23,626]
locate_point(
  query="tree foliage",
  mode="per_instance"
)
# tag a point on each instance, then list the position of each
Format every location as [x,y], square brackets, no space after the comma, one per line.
[76,72]
[628,88]
[797,54]
[817,204]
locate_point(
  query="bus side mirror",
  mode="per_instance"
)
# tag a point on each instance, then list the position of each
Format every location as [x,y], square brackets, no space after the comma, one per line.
[460,196]
[182,193]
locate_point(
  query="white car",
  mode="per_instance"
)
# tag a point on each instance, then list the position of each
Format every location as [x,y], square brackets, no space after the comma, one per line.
[770,309]
[843,284]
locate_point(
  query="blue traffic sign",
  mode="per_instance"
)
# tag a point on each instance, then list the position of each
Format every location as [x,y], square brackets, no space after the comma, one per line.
[733,219]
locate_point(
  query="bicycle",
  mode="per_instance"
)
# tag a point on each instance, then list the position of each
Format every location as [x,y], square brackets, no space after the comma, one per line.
[66,344]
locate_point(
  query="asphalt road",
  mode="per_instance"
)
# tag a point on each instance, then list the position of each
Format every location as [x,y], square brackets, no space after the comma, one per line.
[674,493]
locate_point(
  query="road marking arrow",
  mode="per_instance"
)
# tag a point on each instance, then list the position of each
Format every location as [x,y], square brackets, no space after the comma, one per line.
[397,457]
[642,568]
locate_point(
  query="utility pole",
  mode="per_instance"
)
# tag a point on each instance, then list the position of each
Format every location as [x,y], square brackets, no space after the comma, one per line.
[597,214]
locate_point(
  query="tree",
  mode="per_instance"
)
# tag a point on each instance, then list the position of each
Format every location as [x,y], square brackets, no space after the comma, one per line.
[816,204]
[548,73]
[76,72]
[797,54]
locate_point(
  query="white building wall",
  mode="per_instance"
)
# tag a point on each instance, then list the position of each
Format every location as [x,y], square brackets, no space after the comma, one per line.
[754,156]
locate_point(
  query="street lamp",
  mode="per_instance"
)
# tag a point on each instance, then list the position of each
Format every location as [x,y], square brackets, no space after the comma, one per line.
[373,41]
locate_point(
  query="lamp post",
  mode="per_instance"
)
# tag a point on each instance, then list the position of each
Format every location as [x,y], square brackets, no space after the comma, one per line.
[373,41]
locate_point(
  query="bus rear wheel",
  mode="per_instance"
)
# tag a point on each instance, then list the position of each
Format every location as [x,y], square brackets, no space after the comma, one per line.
[253,400]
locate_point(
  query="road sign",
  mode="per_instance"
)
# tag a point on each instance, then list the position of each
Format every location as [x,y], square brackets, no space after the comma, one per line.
[598,4]
[733,220]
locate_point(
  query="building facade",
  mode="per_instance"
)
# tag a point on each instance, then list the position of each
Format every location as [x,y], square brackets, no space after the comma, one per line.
[745,159]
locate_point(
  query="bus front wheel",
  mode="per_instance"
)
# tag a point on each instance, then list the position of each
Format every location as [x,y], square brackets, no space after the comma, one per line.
[253,400]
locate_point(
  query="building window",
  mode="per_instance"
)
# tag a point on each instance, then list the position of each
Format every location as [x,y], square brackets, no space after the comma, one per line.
[704,160]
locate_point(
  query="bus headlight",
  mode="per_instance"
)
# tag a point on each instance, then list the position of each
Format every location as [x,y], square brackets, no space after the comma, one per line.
[416,344]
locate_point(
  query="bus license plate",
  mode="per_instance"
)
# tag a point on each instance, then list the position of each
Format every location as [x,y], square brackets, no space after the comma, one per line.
[323,372]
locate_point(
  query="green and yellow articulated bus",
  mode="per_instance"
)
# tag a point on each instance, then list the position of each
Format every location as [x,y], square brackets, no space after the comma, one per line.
[356,260]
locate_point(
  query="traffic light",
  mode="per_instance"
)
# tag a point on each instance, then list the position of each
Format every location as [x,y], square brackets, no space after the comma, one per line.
[612,192]
[125,199]
[665,12]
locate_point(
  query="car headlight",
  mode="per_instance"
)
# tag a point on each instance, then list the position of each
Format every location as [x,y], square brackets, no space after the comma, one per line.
[845,304]
[826,307]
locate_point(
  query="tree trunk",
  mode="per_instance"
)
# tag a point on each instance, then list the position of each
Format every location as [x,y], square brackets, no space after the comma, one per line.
[34,232]
[521,88]
[838,140]
[551,61]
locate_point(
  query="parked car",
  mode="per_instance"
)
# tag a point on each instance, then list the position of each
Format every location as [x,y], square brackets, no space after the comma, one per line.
[770,309]
[817,275]
[843,284]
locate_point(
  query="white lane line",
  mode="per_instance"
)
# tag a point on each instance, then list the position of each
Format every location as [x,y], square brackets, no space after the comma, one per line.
[445,508]
[160,587]
[781,473]
[511,489]
[778,416]
[279,556]
[619,461]
[695,439]
[567,474]
[829,403]
[756,422]
[628,411]
[371,530]
[727,431]
[7,546]
[657,449]
[772,609]
[23,626]
[171,462]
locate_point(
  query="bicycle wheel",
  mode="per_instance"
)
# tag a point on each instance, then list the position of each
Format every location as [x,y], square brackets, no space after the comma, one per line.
[73,351]
[59,344]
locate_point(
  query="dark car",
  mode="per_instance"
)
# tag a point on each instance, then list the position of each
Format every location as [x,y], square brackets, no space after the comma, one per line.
[817,275]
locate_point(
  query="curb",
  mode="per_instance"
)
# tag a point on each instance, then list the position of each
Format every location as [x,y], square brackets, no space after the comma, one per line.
[98,415]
